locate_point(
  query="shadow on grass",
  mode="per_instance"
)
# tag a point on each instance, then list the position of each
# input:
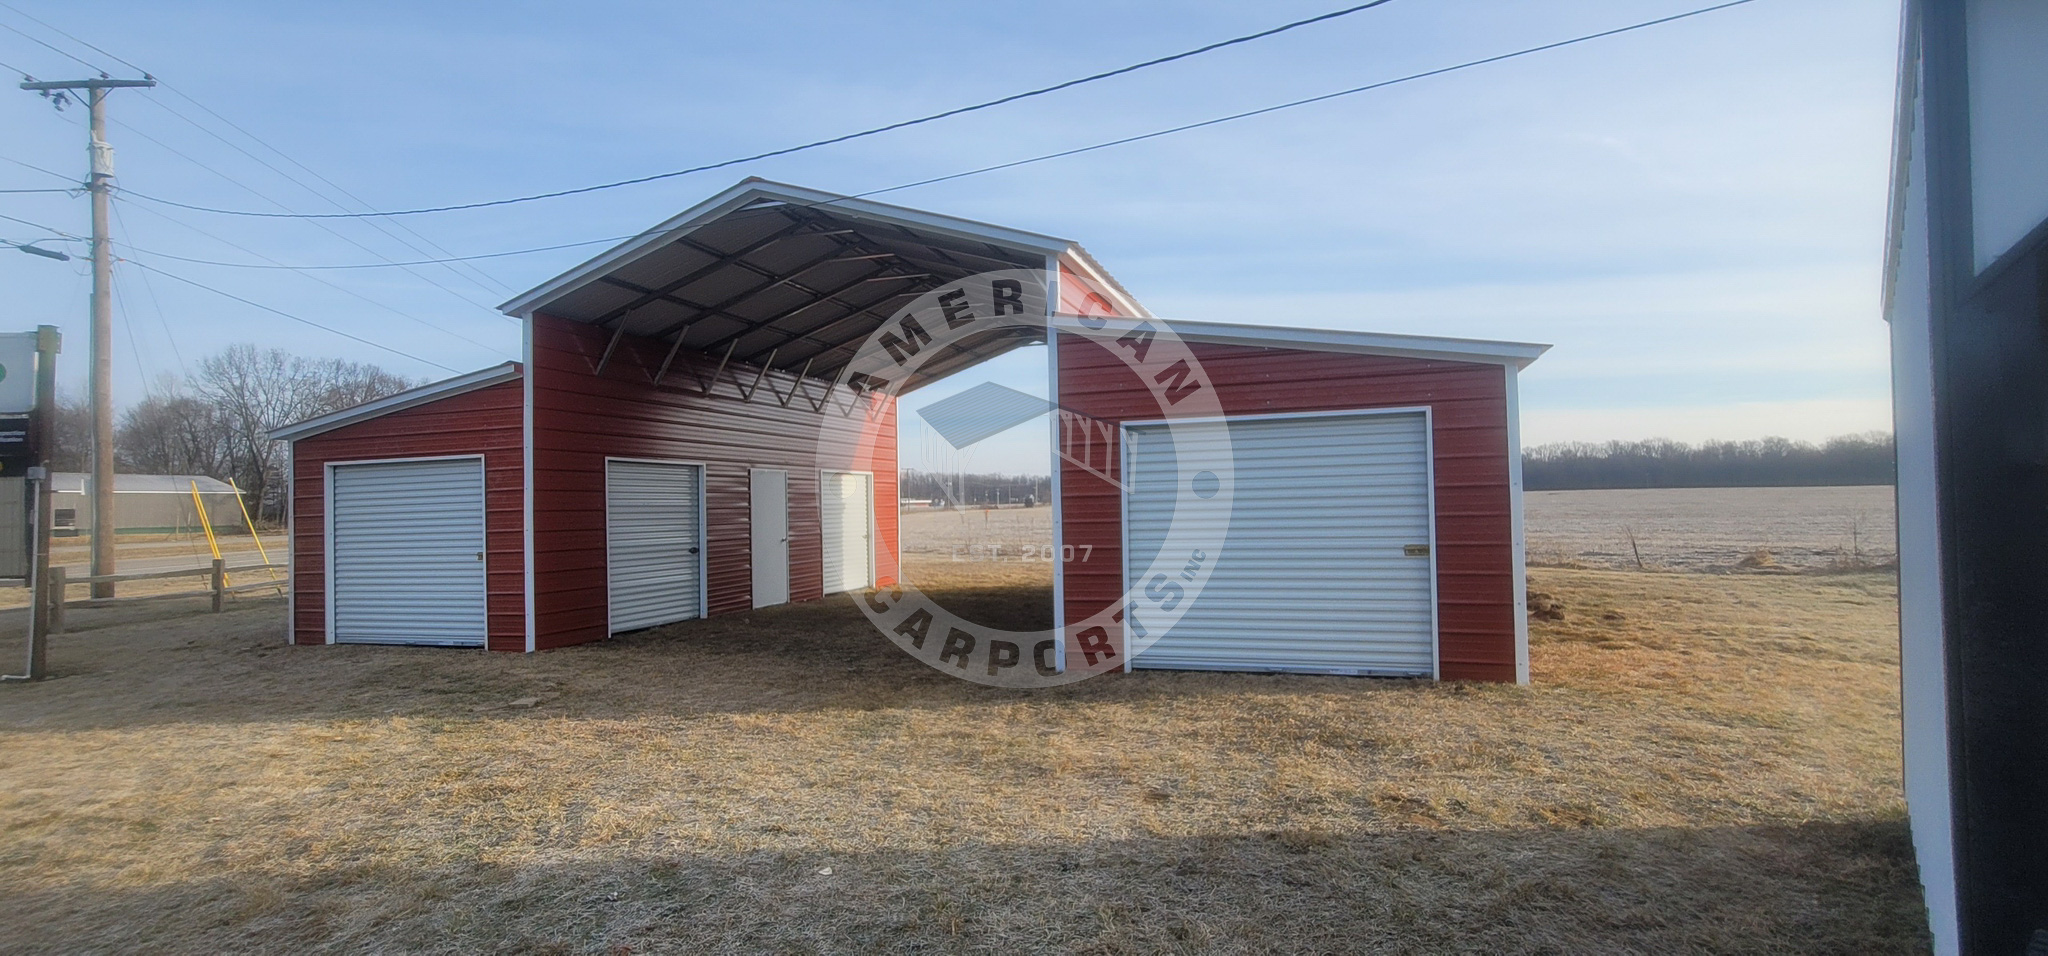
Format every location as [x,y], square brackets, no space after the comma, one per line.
[1821,888]
[821,655]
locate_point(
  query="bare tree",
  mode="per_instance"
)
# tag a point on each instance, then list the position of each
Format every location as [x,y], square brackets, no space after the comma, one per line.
[74,435]
[251,391]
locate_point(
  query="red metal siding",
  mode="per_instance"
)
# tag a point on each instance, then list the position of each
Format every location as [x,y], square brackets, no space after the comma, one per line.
[1475,534]
[581,418]
[486,422]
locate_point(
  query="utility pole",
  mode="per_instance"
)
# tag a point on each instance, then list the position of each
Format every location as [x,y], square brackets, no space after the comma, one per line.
[102,340]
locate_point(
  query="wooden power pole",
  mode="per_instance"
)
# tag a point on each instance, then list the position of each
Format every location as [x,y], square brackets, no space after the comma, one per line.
[102,339]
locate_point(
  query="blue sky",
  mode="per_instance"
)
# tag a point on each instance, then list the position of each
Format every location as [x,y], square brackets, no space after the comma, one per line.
[1693,214]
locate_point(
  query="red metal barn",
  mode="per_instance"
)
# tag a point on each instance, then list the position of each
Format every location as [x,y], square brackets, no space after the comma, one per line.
[656,457]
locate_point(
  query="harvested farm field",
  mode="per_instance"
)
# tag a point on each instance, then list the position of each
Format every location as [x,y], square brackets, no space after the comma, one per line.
[1704,764]
[1714,529]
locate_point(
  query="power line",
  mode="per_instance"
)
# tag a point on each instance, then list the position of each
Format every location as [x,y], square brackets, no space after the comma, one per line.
[488,278]
[379,265]
[46,172]
[158,305]
[1469,64]
[45,25]
[55,232]
[394,310]
[16,191]
[372,223]
[288,315]
[1012,98]
[51,47]
[324,227]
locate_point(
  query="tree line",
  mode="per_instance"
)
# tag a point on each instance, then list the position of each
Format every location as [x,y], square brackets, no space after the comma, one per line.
[216,422]
[1865,459]
[990,488]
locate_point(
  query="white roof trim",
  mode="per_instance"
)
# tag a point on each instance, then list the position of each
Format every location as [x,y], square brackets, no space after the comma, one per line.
[754,190]
[483,378]
[1517,354]
[1079,260]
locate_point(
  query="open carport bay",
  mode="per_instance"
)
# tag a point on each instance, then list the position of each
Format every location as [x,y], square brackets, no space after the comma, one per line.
[1704,764]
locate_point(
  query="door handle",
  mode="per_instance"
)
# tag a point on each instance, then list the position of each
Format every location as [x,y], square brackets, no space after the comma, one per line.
[479,555]
[693,550]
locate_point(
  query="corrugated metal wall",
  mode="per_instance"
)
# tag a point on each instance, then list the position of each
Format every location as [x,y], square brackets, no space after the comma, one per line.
[1475,563]
[581,417]
[486,421]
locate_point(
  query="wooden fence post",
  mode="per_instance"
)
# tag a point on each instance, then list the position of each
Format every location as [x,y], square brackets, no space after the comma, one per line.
[55,595]
[220,583]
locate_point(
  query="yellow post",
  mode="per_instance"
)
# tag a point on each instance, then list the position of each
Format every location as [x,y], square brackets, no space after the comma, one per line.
[204,523]
[250,523]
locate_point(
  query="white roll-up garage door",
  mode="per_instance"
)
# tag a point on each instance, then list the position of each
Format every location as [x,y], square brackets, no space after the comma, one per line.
[1327,566]
[654,542]
[846,516]
[406,541]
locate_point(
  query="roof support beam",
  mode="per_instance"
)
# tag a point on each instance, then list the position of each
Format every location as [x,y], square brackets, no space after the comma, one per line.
[812,333]
[791,282]
[670,360]
[719,261]
[721,308]
[817,297]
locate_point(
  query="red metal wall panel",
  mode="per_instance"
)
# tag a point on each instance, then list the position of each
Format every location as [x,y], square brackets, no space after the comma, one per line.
[1475,534]
[581,418]
[486,422]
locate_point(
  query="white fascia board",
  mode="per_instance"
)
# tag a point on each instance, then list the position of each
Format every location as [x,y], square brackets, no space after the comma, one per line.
[482,378]
[752,191]
[1516,354]
[1079,260]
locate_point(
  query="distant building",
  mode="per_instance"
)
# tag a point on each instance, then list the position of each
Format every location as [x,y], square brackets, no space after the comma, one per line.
[146,504]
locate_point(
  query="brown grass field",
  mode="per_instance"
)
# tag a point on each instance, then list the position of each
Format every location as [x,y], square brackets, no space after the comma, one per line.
[1705,763]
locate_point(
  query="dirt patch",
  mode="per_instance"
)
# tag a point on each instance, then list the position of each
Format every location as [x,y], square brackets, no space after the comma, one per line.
[1714,768]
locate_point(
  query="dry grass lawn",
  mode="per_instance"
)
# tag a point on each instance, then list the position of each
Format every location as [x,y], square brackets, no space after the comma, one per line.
[1705,764]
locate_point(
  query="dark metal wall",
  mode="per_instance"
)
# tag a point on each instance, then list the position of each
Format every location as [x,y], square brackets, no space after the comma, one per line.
[1989,337]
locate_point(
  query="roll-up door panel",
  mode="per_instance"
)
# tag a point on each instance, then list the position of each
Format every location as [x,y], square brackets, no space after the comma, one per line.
[1326,563]
[845,516]
[408,552]
[653,542]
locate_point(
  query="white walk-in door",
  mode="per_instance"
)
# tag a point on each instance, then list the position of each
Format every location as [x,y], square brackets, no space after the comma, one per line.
[768,491]
[1327,564]
[654,542]
[406,546]
[846,512]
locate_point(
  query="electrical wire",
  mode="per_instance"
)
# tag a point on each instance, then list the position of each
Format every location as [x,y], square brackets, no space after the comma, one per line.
[487,278]
[294,318]
[1469,64]
[394,310]
[55,232]
[784,151]
[174,347]
[158,305]
[51,47]
[322,226]
[376,224]
[46,172]
[18,191]
[375,265]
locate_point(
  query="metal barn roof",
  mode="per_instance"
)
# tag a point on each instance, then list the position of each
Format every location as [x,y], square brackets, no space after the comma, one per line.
[794,278]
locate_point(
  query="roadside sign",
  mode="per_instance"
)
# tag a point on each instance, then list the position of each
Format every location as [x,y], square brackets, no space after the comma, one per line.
[17,373]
